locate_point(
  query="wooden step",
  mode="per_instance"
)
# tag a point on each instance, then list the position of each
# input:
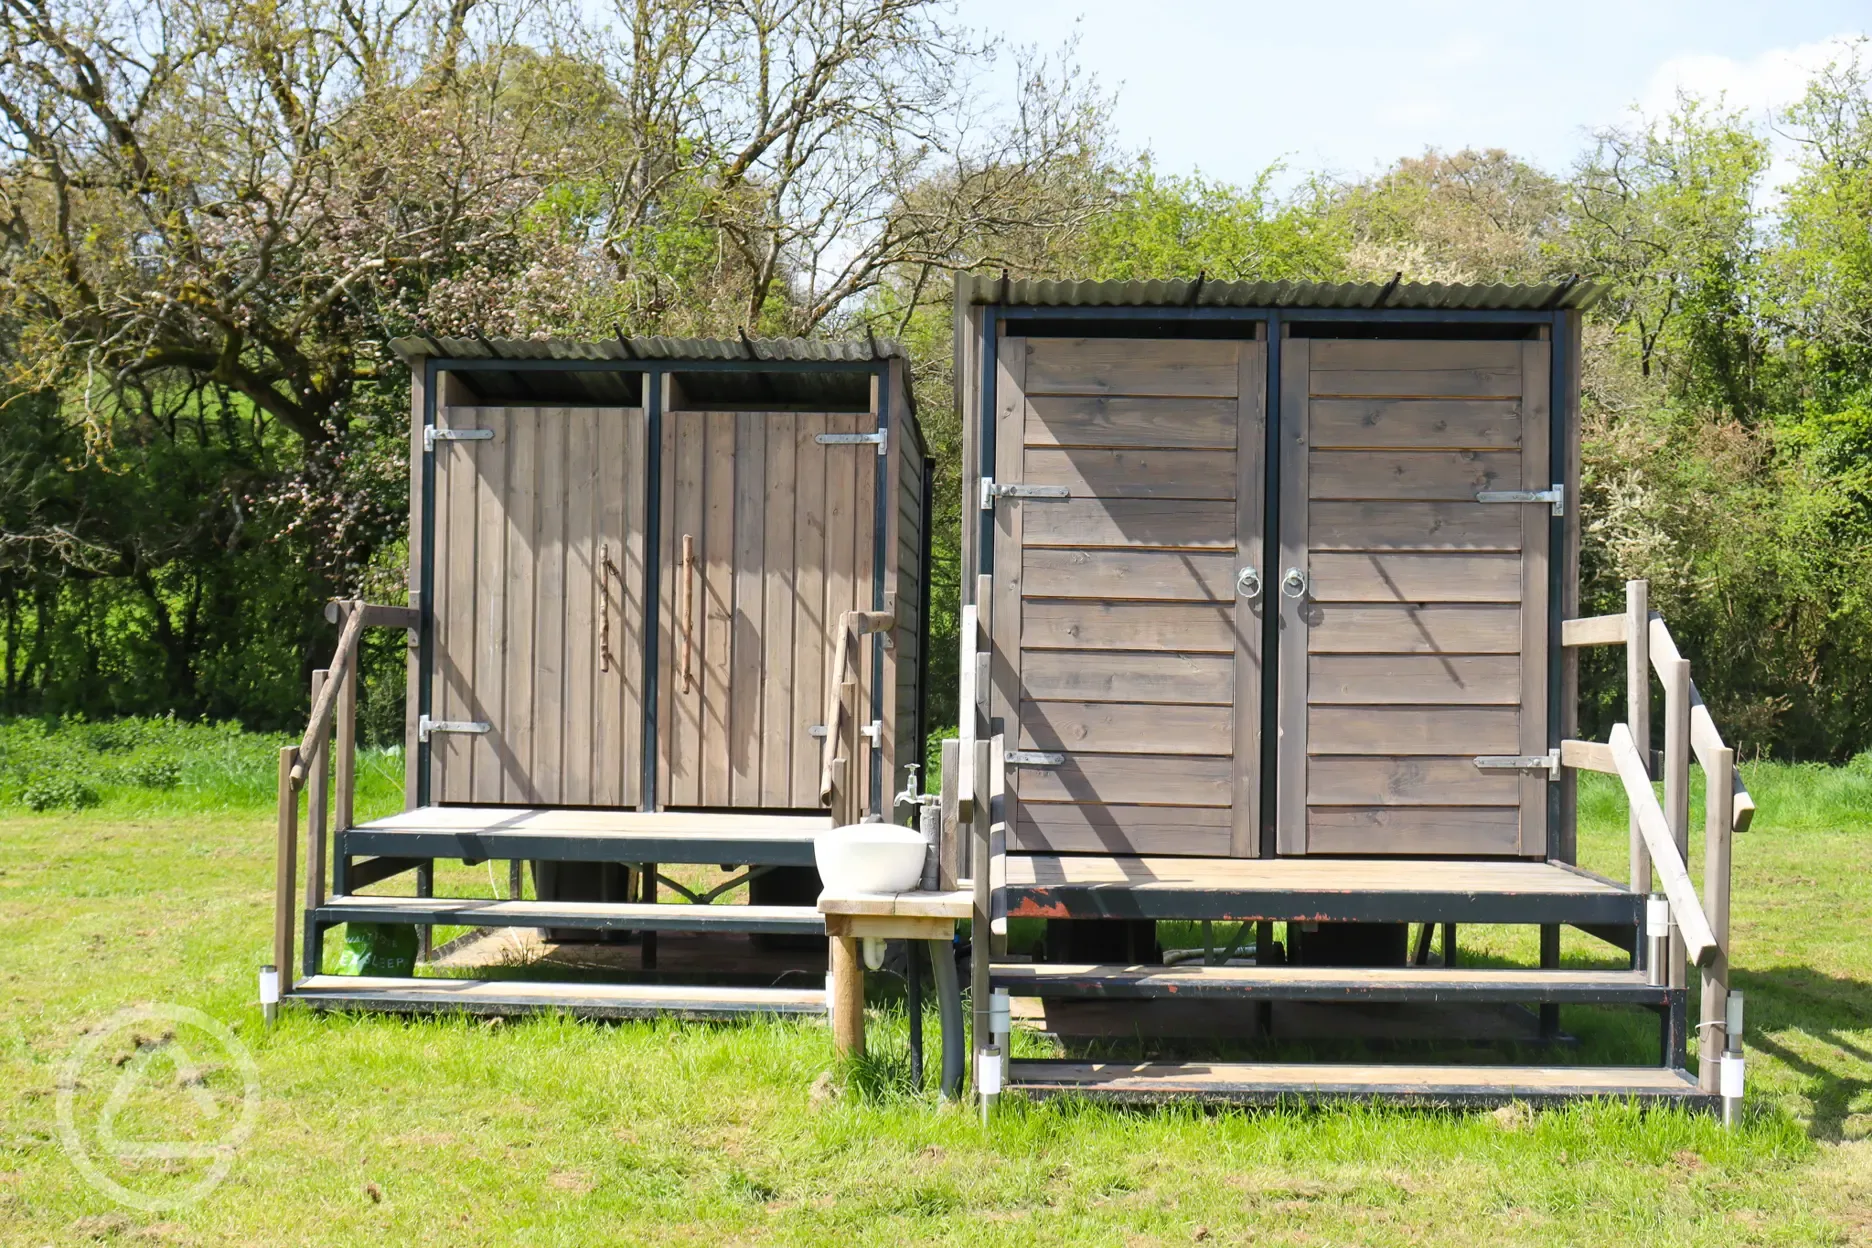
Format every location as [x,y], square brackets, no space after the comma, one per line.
[516,997]
[596,915]
[1369,890]
[1305,983]
[477,833]
[1265,1083]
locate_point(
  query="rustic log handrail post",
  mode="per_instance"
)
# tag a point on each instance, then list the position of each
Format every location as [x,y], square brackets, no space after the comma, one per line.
[1718,817]
[318,802]
[285,909]
[344,797]
[1676,681]
[1638,709]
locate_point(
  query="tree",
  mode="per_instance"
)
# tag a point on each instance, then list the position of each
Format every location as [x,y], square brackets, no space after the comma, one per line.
[1464,216]
[1662,214]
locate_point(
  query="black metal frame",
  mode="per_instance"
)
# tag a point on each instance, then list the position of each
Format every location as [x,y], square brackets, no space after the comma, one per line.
[1561,433]
[653,372]
[1094,983]
[475,847]
[1323,905]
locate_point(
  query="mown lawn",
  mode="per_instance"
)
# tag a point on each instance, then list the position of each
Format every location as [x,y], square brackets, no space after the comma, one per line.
[549,1131]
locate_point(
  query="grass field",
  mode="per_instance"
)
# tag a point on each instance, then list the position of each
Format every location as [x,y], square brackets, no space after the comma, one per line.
[554,1132]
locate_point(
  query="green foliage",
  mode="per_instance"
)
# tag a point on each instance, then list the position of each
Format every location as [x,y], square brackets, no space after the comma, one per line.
[159,763]
[1161,226]
[59,793]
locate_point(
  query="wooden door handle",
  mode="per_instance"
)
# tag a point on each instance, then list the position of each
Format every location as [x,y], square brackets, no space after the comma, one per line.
[688,612]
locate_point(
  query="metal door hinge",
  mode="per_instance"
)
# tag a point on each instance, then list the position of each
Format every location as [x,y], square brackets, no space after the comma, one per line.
[991,490]
[881,438]
[1548,762]
[816,730]
[1033,758]
[425,726]
[874,730]
[1556,496]
[433,435]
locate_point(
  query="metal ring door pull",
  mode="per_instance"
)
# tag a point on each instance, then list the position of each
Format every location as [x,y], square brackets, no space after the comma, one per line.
[1248,583]
[1294,584]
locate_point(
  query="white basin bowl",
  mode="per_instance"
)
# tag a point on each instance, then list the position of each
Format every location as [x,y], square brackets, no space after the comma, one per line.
[869,858]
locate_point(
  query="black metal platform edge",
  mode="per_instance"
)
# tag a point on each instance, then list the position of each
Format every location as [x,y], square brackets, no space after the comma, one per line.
[1094,987]
[681,918]
[1267,1096]
[481,846]
[1113,901]
[571,1004]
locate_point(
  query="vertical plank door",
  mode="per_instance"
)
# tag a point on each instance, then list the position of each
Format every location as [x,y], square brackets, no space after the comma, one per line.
[1123,644]
[777,526]
[1418,640]
[538,583]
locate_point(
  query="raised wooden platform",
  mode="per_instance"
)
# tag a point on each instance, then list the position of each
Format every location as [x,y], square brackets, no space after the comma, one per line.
[596,915]
[1268,1083]
[584,1000]
[1371,890]
[1305,983]
[477,833]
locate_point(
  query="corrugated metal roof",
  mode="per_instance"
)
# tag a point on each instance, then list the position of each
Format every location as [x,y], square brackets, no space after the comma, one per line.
[659,349]
[1195,292]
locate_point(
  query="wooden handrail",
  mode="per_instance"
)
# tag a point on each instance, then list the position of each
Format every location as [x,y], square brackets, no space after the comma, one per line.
[320,723]
[1705,740]
[1699,940]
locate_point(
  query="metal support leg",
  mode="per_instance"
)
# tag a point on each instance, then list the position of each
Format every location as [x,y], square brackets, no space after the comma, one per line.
[1264,956]
[913,993]
[1449,944]
[314,957]
[425,887]
[1550,961]
[648,947]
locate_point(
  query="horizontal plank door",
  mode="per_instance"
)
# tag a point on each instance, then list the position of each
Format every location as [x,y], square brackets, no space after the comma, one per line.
[1122,644]
[765,543]
[538,606]
[1419,639]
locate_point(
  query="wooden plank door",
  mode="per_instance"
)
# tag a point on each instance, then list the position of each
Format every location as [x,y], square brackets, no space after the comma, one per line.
[1419,640]
[538,583]
[766,541]
[1121,640]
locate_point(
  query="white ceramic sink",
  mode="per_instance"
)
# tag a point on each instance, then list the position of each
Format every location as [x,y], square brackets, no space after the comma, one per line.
[869,858]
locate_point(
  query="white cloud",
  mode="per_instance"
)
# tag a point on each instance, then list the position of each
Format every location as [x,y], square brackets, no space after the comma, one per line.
[1759,87]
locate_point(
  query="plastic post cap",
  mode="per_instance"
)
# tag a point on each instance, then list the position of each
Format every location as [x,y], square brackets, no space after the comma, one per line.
[988,1072]
[1731,1080]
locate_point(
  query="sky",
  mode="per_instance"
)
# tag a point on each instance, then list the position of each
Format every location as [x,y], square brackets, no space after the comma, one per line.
[1346,86]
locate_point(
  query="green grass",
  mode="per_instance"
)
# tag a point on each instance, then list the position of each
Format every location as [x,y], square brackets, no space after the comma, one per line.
[556,1132]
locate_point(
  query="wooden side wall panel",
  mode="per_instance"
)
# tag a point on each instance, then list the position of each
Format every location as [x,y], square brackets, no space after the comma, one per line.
[910,524]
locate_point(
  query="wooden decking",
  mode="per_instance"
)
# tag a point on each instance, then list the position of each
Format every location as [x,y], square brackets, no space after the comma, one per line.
[583,835]
[585,1000]
[1060,886]
[1262,1083]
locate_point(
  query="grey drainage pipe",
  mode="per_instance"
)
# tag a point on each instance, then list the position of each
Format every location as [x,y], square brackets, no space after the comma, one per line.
[949,1012]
